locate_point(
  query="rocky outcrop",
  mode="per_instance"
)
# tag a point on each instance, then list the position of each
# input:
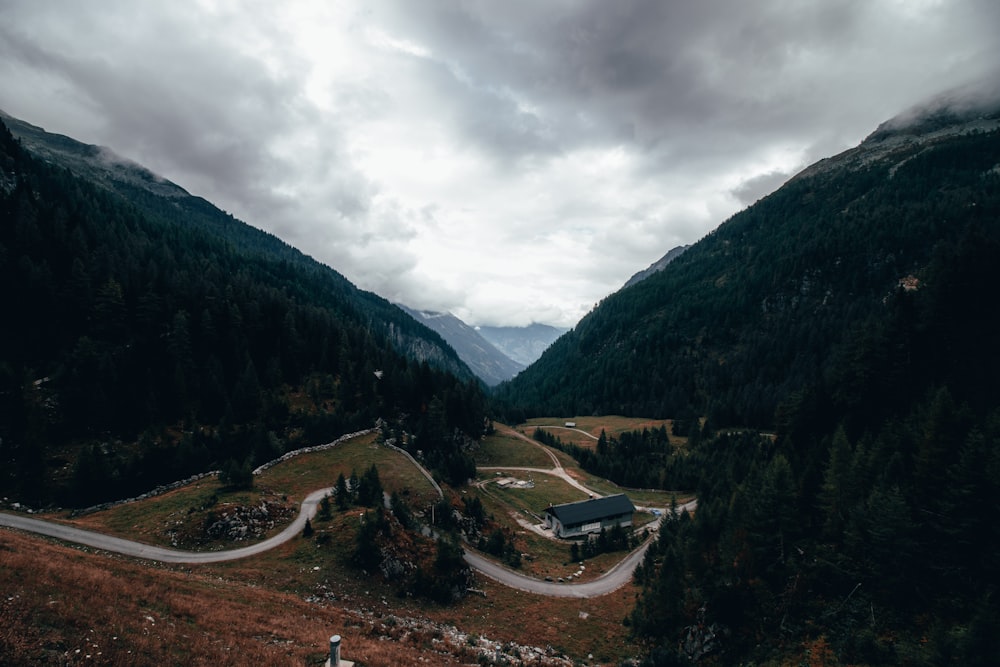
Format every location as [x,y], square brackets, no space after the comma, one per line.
[235,523]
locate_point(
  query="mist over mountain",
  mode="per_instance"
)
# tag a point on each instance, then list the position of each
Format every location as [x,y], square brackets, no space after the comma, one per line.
[149,335]
[830,355]
[763,304]
[522,344]
[488,363]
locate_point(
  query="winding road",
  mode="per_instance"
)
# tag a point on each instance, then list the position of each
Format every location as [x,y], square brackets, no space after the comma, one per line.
[610,581]
[556,470]
[162,554]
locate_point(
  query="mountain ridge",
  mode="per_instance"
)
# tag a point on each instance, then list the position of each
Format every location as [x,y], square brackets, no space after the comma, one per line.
[758,306]
[490,364]
[522,344]
[152,338]
[161,197]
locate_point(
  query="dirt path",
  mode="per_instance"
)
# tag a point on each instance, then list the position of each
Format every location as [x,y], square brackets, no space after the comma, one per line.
[556,468]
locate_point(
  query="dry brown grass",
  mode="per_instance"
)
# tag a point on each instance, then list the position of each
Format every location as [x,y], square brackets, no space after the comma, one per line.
[67,606]
[149,520]
[58,599]
[63,606]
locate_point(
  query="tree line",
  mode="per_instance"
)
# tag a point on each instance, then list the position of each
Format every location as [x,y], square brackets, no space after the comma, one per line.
[139,347]
[865,529]
[763,305]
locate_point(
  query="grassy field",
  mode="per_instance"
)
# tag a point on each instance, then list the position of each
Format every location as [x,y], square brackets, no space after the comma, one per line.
[66,606]
[257,607]
[505,449]
[151,520]
[645,497]
[612,425]
[548,490]
[546,557]
[303,474]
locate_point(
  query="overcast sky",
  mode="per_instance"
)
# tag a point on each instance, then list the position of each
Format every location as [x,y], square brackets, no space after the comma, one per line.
[510,161]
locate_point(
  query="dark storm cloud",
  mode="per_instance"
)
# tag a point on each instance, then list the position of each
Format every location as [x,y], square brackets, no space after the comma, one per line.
[159,87]
[679,75]
[484,114]
[566,143]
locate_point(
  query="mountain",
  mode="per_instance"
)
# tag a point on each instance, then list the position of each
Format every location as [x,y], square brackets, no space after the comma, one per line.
[162,199]
[657,266]
[764,304]
[485,360]
[148,335]
[851,318]
[522,344]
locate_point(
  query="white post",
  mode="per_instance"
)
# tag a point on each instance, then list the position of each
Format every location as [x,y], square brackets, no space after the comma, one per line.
[335,651]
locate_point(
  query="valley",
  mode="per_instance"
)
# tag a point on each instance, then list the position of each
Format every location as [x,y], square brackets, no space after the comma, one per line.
[817,374]
[288,564]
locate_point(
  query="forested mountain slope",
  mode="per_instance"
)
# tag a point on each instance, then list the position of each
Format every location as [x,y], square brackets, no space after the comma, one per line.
[163,200]
[657,266]
[146,339]
[860,301]
[763,305]
[864,531]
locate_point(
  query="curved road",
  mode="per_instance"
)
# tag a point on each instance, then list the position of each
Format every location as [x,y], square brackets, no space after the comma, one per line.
[163,554]
[556,469]
[610,581]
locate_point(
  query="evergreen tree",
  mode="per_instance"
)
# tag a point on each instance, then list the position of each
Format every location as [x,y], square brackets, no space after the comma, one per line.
[370,493]
[324,513]
[342,493]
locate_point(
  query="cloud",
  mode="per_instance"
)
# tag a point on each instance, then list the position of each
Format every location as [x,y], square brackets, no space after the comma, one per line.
[510,162]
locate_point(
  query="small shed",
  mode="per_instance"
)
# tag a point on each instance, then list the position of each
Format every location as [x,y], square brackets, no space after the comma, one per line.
[589,516]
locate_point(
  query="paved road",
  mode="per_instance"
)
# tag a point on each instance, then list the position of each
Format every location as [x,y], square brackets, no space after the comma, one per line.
[610,581]
[606,583]
[163,554]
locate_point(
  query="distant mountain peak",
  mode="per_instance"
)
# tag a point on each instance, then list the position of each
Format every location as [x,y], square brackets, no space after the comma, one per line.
[98,163]
[522,344]
[971,104]
[488,363]
[956,112]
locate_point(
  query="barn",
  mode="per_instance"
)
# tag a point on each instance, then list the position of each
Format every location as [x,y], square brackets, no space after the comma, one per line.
[589,516]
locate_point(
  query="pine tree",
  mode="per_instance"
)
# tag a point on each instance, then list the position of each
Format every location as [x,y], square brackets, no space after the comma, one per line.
[324,513]
[342,493]
[837,495]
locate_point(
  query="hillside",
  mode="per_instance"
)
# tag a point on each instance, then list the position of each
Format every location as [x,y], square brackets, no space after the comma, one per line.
[163,200]
[148,336]
[763,305]
[851,314]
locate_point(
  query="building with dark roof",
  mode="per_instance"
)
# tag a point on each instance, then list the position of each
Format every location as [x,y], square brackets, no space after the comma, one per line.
[589,516]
